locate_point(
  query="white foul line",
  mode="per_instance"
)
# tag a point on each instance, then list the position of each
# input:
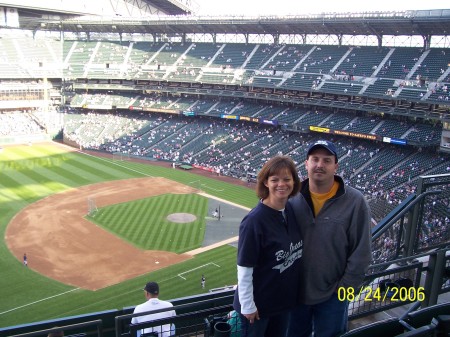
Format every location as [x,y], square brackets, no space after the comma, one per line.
[188,271]
[114,163]
[44,299]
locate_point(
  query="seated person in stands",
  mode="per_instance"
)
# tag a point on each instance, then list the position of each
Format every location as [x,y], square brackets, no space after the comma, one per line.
[154,303]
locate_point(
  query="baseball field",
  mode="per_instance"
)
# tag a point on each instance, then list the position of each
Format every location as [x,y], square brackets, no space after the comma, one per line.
[95,230]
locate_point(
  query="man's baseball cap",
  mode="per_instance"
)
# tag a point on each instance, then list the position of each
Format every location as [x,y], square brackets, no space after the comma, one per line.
[152,288]
[327,145]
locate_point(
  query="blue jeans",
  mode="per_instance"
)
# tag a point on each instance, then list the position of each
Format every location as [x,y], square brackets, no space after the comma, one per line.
[326,319]
[273,326]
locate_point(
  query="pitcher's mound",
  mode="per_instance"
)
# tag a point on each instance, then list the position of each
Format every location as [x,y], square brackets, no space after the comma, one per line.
[181,217]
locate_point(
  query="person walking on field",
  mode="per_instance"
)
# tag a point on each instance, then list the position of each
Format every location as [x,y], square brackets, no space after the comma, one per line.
[269,250]
[334,220]
[25,260]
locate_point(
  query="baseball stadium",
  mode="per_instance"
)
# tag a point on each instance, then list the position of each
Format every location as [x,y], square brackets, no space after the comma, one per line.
[132,133]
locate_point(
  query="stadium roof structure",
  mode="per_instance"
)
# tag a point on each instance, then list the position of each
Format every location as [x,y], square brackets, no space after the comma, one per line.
[29,11]
[424,23]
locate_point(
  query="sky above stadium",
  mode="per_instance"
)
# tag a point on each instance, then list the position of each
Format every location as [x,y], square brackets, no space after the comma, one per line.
[285,7]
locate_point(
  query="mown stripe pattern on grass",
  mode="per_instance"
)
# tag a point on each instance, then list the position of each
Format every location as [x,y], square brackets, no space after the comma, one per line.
[144,222]
[29,173]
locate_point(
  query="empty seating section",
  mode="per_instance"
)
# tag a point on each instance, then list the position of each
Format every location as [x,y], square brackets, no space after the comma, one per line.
[245,77]
[346,87]
[10,64]
[363,124]
[299,81]
[434,64]
[313,118]
[157,64]
[261,56]
[122,101]
[285,116]
[42,58]
[249,109]
[222,107]
[362,61]
[200,54]
[109,60]
[400,62]
[392,128]
[338,121]
[381,88]
[144,101]
[189,67]
[225,77]
[79,57]
[203,106]
[266,81]
[184,104]
[77,101]
[170,53]
[412,94]
[273,112]
[155,102]
[232,55]
[322,59]
[166,103]
[141,63]
[287,58]
[289,115]
[102,101]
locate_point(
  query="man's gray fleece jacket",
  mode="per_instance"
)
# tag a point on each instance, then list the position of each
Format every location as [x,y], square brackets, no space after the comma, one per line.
[336,243]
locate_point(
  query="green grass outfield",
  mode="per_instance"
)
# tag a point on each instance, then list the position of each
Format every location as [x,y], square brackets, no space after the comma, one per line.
[29,173]
[144,224]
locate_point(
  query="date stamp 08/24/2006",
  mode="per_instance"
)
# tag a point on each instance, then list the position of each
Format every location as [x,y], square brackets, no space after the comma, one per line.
[393,294]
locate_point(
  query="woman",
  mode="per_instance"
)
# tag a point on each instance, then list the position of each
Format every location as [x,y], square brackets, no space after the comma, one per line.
[269,250]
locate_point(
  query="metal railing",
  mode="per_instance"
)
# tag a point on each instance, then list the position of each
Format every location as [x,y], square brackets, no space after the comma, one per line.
[85,329]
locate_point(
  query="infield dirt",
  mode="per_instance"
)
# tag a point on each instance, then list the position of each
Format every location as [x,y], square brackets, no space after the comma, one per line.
[64,246]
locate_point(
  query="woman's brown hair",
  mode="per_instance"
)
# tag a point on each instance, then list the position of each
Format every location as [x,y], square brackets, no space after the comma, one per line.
[272,167]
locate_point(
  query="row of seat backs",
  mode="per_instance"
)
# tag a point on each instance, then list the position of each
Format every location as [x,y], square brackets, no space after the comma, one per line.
[430,321]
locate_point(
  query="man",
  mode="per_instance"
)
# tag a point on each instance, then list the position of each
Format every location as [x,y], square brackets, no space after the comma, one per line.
[153,303]
[335,223]
[203,281]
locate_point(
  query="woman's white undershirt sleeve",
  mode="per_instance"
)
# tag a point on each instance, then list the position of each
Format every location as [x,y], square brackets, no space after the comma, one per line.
[245,283]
